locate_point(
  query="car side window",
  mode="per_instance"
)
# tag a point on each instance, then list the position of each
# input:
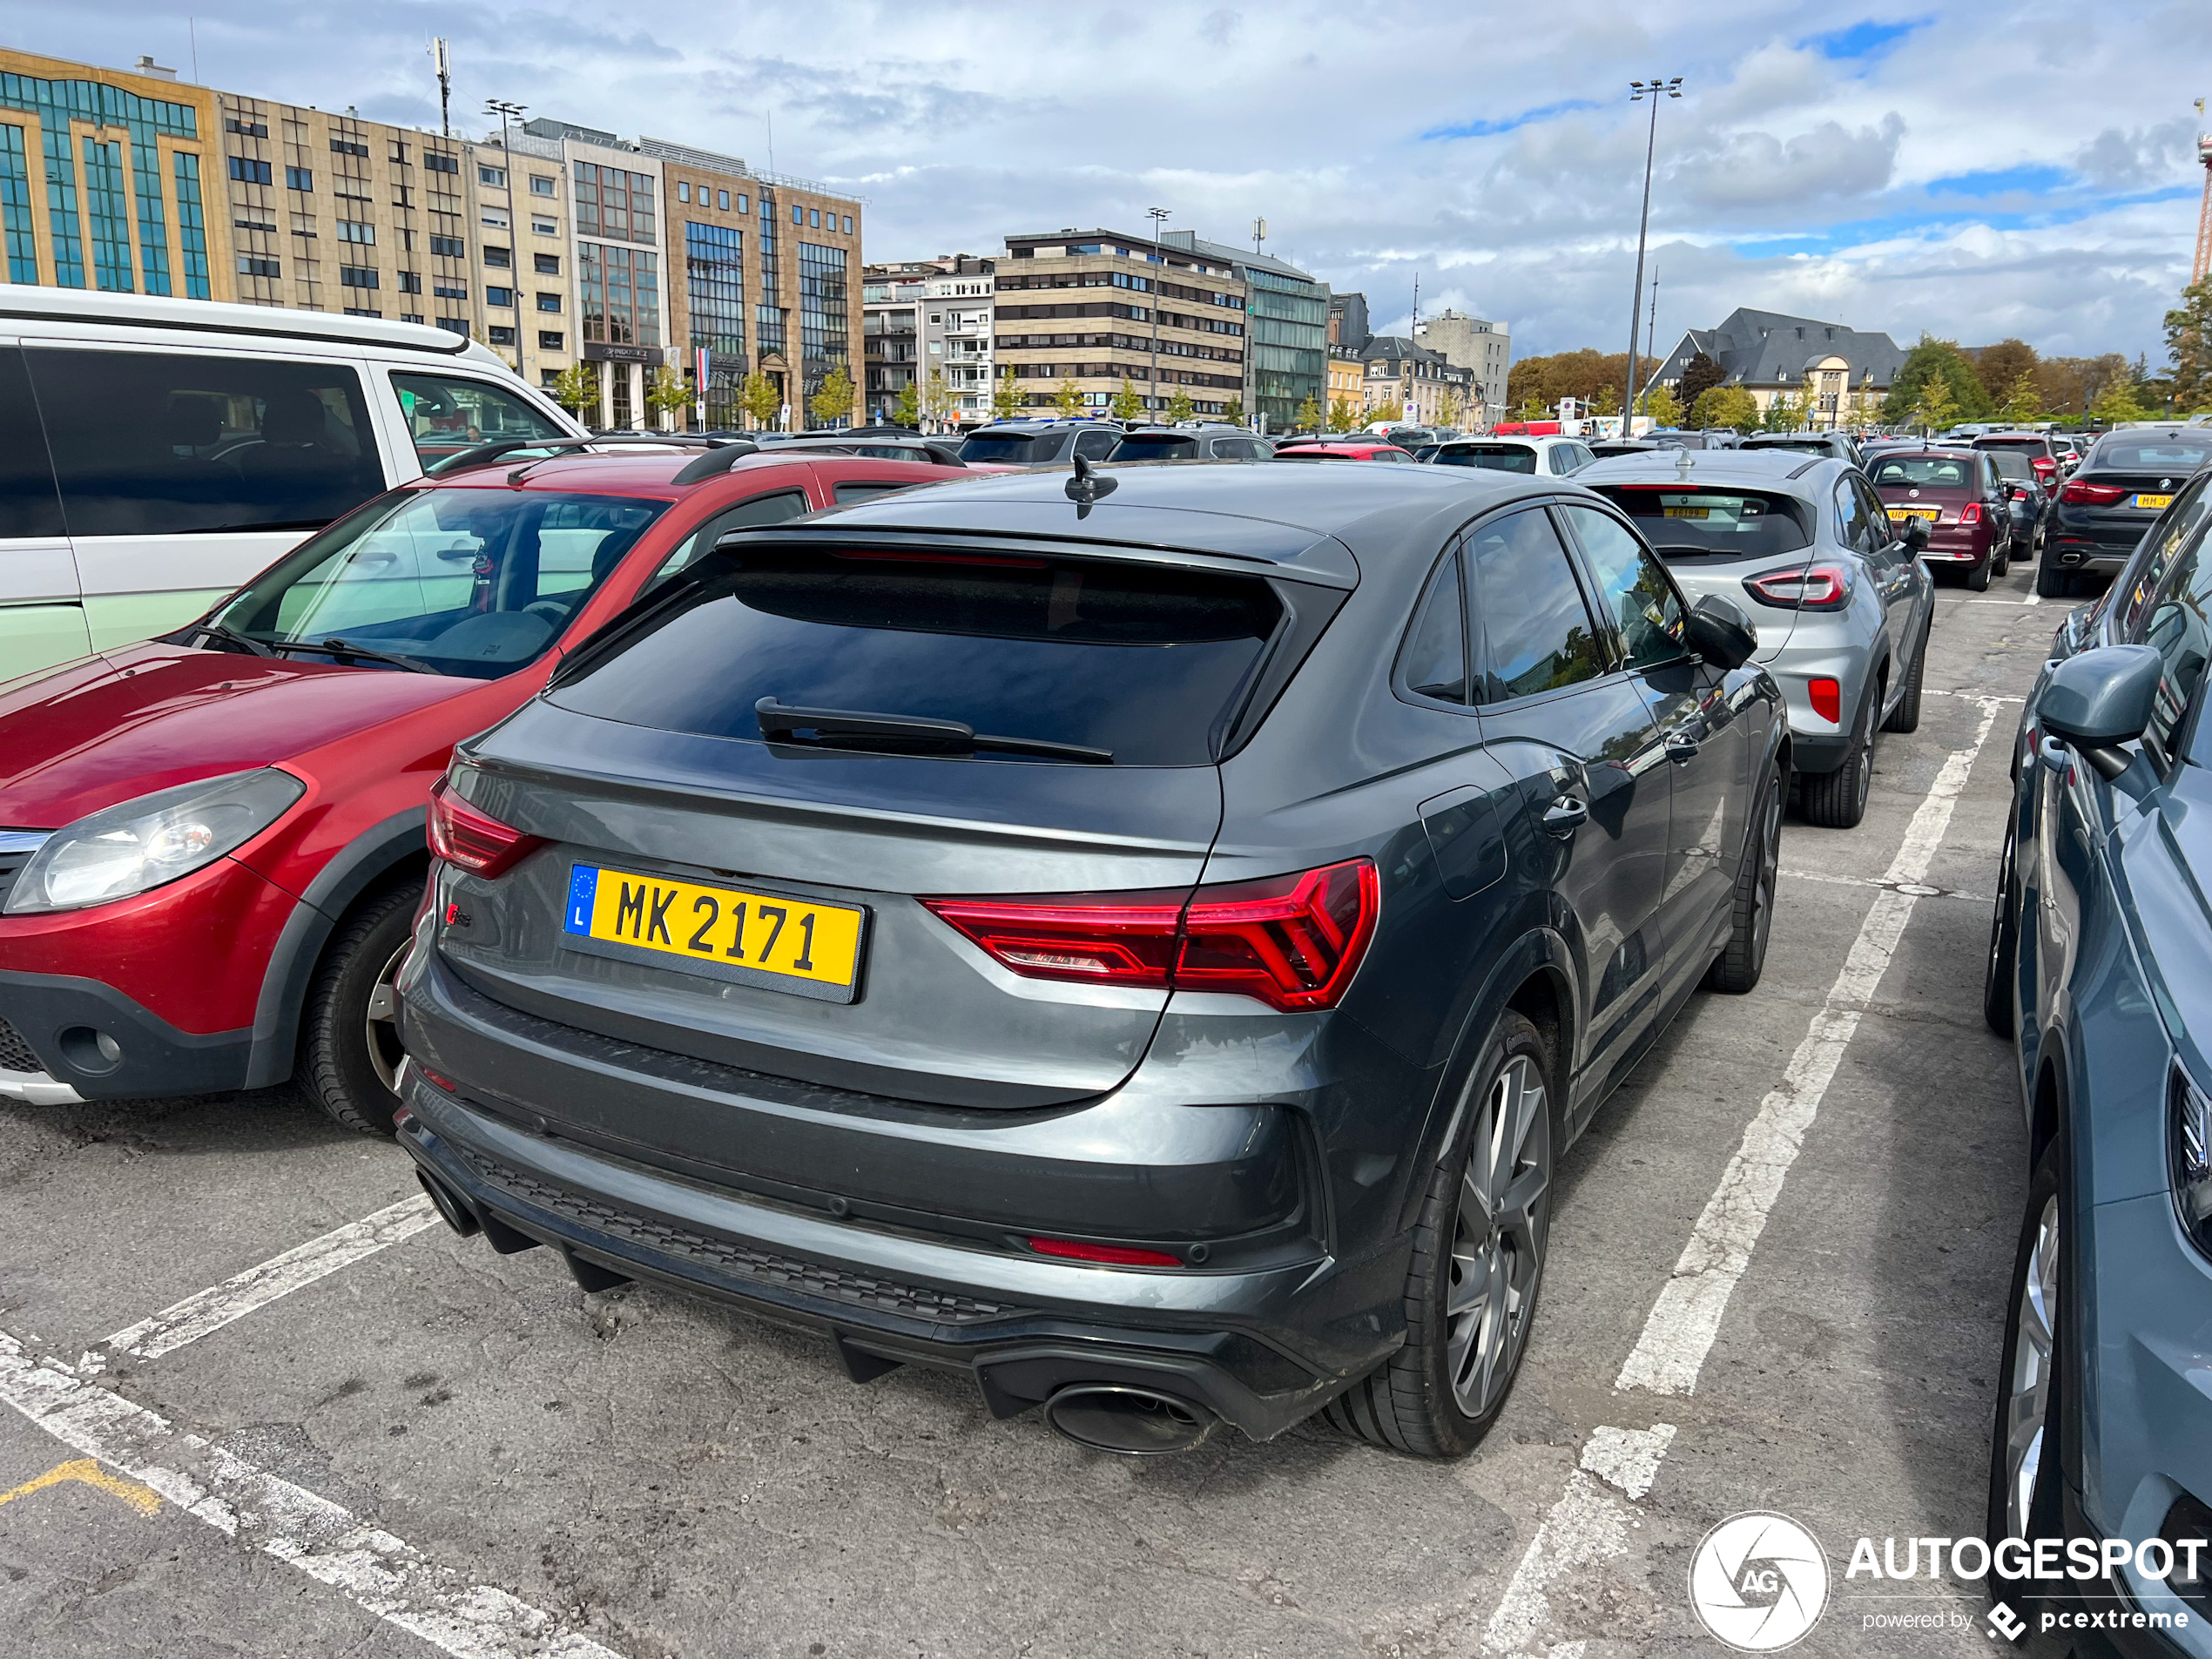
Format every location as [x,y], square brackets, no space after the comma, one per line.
[29,502]
[1876,511]
[1095,446]
[1536,631]
[1853,527]
[772,508]
[168,444]
[447,414]
[1434,662]
[2176,528]
[1633,586]
[853,489]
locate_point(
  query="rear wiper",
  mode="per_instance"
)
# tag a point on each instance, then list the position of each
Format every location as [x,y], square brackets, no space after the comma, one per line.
[337,647]
[230,636]
[909,732]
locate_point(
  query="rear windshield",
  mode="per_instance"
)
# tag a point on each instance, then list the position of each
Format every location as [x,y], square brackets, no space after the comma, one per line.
[1138,660]
[1926,472]
[2152,455]
[1155,445]
[2036,444]
[1492,457]
[2010,463]
[1735,524]
[1014,447]
[1803,446]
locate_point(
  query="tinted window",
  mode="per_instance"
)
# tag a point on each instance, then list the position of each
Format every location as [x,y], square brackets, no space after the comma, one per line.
[1138,660]
[1854,526]
[2177,625]
[1803,446]
[1436,663]
[1095,446]
[1156,446]
[29,505]
[1632,586]
[1004,448]
[2012,464]
[860,491]
[1536,631]
[473,582]
[1924,472]
[2119,453]
[1492,457]
[2175,530]
[1729,523]
[148,443]
[448,413]
[758,509]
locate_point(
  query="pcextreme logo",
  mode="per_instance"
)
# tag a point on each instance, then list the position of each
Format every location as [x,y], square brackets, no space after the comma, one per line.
[1758,1583]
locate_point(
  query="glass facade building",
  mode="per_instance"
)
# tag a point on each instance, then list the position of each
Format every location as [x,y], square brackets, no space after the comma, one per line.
[824,330]
[1288,316]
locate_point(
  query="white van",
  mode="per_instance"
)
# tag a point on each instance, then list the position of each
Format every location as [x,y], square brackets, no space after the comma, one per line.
[155,454]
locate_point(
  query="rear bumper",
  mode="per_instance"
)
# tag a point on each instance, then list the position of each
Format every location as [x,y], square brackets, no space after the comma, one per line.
[1023,1326]
[2082,543]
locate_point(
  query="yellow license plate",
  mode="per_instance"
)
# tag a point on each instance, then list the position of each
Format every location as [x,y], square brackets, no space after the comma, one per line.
[768,940]
[1931,514]
[2153,503]
[1687,512]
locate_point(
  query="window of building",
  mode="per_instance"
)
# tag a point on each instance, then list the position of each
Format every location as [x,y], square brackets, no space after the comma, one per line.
[743,206]
[496,177]
[541,184]
[253,225]
[814,218]
[714,285]
[450,290]
[349,147]
[357,276]
[546,264]
[495,219]
[450,247]
[499,335]
[499,258]
[362,311]
[302,178]
[454,326]
[353,230]
[247,170]
[684,191]
[547,302]
[502,298]
[620,294]
[848,224]
[541,226]
[410,316]
[399,153]
[822,321]
[722,200]
[258,267]
[798,214]
[550,339]
[610,202]
[438,161]
[410,282]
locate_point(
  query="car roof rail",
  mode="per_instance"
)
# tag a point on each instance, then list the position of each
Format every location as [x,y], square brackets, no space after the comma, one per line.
[484,454]
[715,461]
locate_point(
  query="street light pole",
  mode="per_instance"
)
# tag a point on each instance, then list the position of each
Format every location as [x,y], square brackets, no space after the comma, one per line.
[506,109]
[1639,92]
[1159,216]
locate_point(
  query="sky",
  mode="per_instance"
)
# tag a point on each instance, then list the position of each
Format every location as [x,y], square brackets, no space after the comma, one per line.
[1973,171]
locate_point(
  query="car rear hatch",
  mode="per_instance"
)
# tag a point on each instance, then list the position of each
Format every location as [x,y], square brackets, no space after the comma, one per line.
[2131,480]
[784,732]
[1723,540]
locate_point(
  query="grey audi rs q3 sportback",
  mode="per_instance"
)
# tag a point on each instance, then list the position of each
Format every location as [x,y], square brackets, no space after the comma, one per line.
[1146,938]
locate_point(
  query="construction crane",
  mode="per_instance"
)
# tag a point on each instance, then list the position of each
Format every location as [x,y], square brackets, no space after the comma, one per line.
[2201,265]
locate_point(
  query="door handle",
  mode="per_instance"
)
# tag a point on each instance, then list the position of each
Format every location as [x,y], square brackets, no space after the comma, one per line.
[1565,815]
[1682,748]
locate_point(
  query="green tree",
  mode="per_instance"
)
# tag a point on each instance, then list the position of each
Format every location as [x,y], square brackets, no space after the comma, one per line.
[1308,418]
[2118,404]
[2189,345]
[908,410]
[1128,404]
[2023,400]
[1341,415]
[577,388]
[1663,408]
[938,399]
[1999,366]
[1699,375]
[665,394]
[1180,408]
[833,399]
[1387,414]
[1006,395]
[1608,401]
[1069,399]
[1788,413]
[1733,407]
[1233,412]
[1964,394]
[1934,408]
[759,400]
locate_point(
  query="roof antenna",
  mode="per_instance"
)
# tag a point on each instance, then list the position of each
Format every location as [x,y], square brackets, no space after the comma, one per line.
[1085,486]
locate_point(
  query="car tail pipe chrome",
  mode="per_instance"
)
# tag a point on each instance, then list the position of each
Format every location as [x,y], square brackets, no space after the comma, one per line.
[1128,1420]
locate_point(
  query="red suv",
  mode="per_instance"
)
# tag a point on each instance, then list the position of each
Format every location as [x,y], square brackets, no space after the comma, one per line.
[215,839]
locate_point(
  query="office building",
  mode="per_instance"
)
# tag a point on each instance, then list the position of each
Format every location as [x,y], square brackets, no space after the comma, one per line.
[1286,321]
[1483,348]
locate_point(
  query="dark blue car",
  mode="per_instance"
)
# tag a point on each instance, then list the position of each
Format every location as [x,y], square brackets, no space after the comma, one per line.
[2100,964]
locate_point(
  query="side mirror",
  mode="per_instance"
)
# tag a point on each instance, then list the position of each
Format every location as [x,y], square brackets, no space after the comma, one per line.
[1720,633]
[1914,534]
[2102,698]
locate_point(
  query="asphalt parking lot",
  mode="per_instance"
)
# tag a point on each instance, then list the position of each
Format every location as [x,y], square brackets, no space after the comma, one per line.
[1778,1264]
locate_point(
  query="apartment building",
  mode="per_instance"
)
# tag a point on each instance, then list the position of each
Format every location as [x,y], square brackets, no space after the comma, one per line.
[109,179]
[1426,389]
[1483,348]
[1100,307]
[891,299]
[1347,383]
[930,322]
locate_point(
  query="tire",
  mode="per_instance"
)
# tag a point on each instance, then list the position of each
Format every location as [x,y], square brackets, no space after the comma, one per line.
[2051,582]
[2000,559]
[1838,800]
[1744,958]
[1977,578]
[1488,1213]
[349,1041]
[2001,974]
[1906,717]
[2024,1452]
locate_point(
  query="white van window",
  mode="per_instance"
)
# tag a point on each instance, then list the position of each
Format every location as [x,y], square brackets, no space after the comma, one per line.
[448,413]
[167,443]
[28,503]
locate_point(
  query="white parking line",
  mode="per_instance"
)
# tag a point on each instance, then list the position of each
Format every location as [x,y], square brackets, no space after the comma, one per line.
[1917,889]
[383,1574]
[1586,1525]
[238,1295]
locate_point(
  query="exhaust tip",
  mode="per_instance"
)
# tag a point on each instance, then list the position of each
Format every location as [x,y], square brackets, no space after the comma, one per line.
[1132,1422]
[456,1215]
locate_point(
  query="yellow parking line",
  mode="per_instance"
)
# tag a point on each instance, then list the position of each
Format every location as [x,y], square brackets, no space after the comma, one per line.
[142,1499]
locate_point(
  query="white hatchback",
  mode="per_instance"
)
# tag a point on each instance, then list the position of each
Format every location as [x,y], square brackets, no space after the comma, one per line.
[1548,456]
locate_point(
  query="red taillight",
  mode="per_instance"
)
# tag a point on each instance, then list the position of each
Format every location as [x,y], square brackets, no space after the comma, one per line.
[1805,587]
[1827,699]
[2088,494]
[1109,1255]
[1293,941]
[1971,513]
[472,841]
[2045,467]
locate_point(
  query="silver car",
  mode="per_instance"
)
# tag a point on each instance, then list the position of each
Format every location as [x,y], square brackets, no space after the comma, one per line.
[1841,601]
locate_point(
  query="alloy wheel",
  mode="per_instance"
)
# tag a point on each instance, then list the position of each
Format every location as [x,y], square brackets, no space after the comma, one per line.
[1769,868]
[381,1026]
[2028,1389]
[1498,1238]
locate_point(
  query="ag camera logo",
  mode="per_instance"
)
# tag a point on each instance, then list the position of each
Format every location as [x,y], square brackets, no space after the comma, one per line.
[1758,1583]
